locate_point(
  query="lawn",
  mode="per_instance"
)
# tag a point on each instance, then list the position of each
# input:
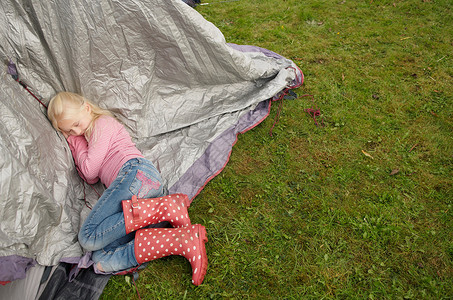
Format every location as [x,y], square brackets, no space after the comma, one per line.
[358,208]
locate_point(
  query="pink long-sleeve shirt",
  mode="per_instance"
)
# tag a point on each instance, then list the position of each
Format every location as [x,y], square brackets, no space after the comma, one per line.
[108,148]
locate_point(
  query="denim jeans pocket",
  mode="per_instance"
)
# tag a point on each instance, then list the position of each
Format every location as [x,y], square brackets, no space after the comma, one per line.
[147,183]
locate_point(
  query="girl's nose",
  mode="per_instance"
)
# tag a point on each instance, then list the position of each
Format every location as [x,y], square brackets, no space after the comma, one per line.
[77,131]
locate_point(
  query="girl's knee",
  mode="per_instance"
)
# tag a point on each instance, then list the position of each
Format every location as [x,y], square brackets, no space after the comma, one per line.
[86,242]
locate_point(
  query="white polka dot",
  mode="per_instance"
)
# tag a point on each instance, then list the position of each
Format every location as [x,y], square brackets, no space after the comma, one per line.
[195,271]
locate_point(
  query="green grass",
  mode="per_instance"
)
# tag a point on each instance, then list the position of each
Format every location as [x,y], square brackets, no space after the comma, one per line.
[306,213]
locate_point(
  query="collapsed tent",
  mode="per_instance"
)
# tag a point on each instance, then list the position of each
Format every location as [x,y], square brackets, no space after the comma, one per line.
[183,93]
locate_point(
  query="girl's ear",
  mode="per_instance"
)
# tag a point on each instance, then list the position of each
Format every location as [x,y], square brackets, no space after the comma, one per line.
[88,108]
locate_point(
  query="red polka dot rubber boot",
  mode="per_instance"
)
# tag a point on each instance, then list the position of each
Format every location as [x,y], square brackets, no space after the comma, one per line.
[139,213]
[154,243]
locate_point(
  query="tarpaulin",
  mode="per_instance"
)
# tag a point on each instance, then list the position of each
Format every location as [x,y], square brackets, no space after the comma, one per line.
[164,71]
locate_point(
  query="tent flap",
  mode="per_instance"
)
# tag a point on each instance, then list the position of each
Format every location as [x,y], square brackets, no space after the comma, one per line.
[183,93]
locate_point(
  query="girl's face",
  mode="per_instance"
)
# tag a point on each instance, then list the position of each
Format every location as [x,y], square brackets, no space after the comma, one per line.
[78,124]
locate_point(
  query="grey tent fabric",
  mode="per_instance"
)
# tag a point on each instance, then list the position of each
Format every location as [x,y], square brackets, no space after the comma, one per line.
[163,70]
[26,288]
[87,284]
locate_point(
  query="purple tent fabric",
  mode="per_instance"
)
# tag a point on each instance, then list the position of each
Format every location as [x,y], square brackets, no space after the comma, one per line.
[15,267]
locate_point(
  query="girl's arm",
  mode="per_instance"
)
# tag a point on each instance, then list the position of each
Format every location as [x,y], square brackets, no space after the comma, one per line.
[78,144]
[89,156]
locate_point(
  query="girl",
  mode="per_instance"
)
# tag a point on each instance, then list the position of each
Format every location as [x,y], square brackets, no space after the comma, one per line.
[134,196]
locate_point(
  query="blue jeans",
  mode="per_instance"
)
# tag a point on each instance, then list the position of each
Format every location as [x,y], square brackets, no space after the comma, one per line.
[104,229]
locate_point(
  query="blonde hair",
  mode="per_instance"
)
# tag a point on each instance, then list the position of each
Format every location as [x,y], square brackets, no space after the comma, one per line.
[66,105]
